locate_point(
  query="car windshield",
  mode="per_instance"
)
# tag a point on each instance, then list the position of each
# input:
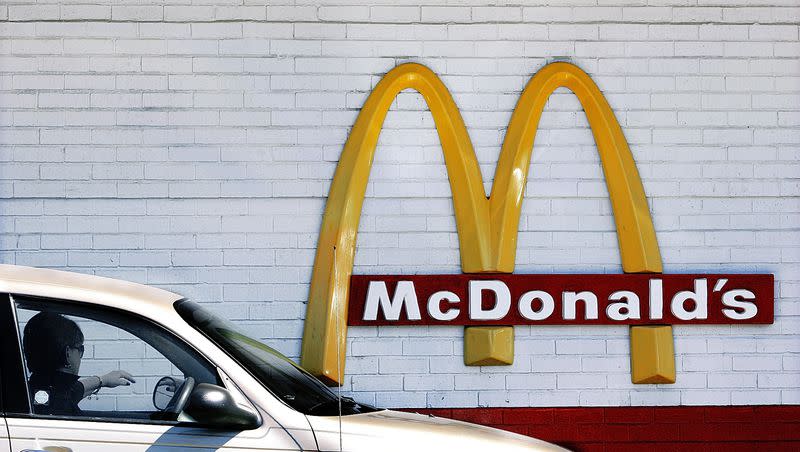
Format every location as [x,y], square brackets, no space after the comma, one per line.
[280,375]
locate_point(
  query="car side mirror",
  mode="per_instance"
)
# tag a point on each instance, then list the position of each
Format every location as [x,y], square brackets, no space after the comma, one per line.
[215,406]
[164,392]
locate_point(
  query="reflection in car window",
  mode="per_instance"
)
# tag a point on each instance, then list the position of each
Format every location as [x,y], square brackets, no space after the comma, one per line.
[83,360]
[282,377]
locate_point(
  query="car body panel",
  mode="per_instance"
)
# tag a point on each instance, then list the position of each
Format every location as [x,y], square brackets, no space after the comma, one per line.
[101,436]
[44,282]
[395,431]
[5,442]
[283,428]
[156,306]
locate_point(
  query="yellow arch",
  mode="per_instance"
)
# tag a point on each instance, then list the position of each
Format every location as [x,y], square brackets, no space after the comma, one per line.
[487,227]
[638,245]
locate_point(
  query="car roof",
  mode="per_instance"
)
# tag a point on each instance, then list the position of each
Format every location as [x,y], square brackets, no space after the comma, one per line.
[44,282]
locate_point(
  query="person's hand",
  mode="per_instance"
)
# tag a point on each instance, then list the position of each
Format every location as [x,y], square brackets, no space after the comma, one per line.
[116,378]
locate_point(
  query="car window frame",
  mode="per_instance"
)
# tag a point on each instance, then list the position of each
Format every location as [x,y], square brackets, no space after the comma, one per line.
[11,359]
[12,363]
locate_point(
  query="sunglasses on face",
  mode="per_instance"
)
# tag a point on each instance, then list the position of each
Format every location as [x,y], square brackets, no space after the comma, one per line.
[79,348]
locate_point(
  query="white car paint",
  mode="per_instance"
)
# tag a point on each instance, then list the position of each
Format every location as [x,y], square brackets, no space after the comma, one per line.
[282,427]
[397,431]
[5,444]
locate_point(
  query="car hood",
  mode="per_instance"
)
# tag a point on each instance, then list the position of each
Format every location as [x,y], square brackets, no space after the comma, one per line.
[398,431]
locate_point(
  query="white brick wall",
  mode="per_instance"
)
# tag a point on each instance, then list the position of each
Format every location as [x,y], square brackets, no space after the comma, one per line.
[191,146]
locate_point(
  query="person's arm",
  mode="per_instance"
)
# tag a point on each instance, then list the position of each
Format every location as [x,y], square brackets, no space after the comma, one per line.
[91,384]
[110,380]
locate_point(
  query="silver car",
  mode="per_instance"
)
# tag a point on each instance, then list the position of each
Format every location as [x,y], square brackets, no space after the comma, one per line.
[97,364]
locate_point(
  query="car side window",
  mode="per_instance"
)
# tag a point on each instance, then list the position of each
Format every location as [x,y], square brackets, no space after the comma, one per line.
[85,360]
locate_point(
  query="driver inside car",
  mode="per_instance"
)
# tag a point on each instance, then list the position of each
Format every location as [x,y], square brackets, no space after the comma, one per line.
[53,347]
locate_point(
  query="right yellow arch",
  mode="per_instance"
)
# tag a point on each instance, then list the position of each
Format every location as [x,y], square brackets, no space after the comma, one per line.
[487,227]
[637,238]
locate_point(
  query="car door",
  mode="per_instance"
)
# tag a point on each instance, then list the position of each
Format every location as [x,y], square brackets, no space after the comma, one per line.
[5,346]
[5,443]
[119,418]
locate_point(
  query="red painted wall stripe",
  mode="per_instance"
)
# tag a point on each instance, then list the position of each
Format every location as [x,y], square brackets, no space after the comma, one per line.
[692,428]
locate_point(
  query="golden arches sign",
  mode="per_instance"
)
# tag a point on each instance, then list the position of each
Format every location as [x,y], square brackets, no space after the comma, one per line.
[487,227]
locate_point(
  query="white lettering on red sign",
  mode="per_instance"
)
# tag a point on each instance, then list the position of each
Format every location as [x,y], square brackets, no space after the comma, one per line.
[404,296]
[490,300]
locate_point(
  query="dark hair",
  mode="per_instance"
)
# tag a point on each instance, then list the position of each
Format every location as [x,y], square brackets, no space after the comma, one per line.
[45,340]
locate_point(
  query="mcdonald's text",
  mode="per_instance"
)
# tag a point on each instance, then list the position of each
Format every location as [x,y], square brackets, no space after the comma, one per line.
[514,299]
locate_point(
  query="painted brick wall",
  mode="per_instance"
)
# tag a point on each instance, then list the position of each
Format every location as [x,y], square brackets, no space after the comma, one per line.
[657,429]
[191,145]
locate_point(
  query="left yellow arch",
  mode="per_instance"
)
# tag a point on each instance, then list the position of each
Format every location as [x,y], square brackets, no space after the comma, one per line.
[487,227]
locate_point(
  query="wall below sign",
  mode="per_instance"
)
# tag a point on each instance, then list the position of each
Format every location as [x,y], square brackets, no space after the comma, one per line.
[709,428]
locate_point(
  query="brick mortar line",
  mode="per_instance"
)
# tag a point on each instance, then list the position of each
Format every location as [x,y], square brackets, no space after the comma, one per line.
[408,24]
[45,37]
[162,198]
[501,59]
